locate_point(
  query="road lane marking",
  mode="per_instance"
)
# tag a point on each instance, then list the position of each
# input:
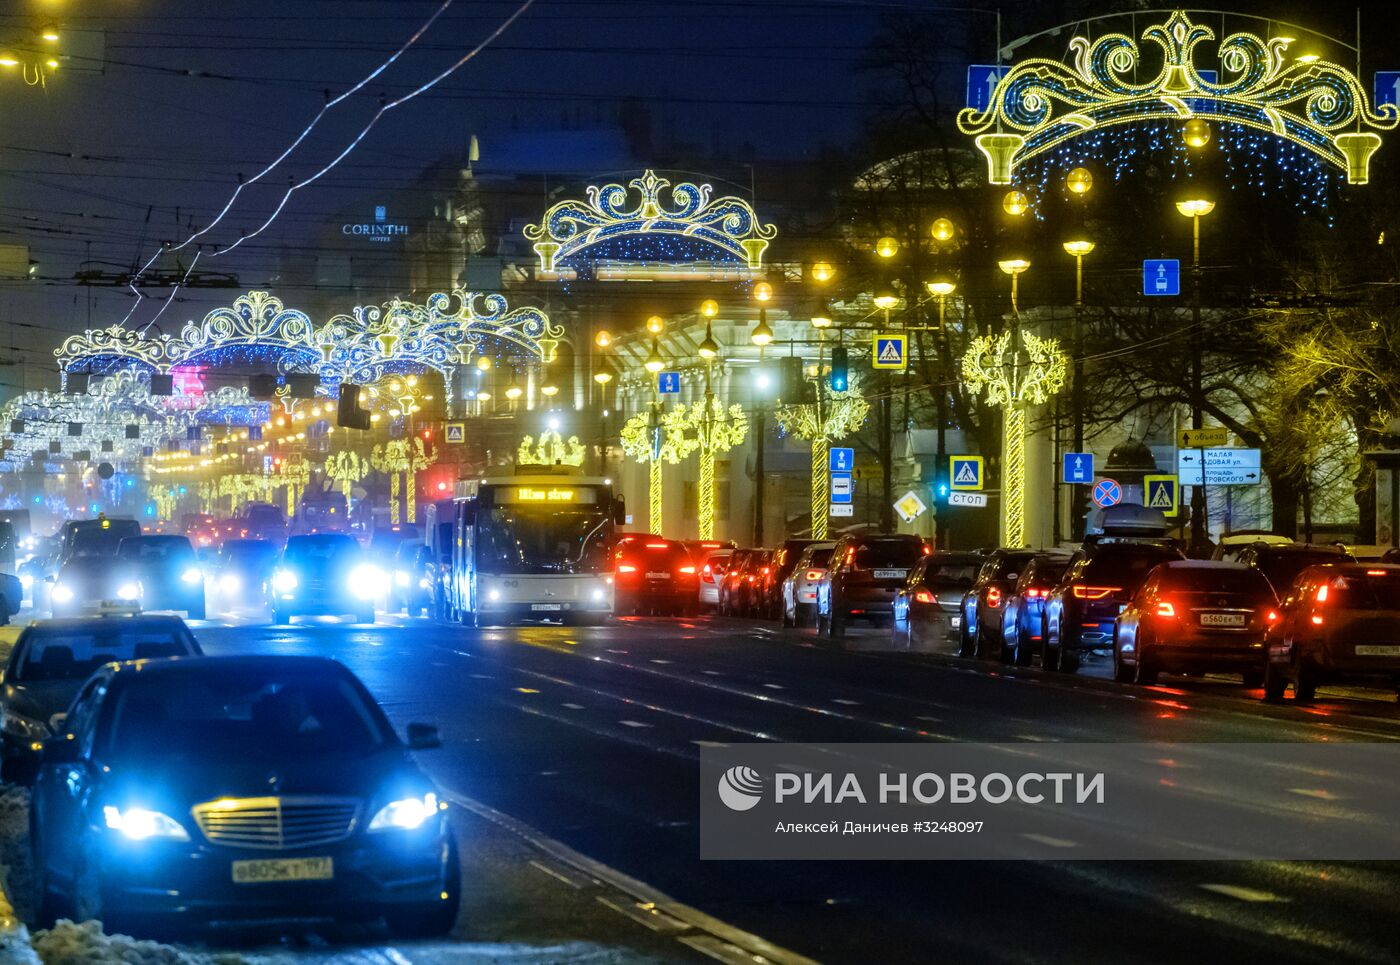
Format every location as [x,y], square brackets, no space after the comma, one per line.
[573,706]
[848,703]
[712,673]
[929,720]
[658,660]
[774,686]
[1050,842]
[633,723]
[526,690]
[1321,793]
[709,743]
[1243,894]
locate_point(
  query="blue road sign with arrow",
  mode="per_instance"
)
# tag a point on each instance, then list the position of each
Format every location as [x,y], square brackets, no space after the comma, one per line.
[841,460]
[1387,87]
[1161,276]
[1078,468]
[982,80]
[668,382]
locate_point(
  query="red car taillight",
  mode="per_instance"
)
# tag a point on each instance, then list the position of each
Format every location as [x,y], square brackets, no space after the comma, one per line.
[1033,593]
[707,574]
[923,596]
[626,568]
[993,597]
[688,570]
[813,575]
[1094,592]
[1165,609]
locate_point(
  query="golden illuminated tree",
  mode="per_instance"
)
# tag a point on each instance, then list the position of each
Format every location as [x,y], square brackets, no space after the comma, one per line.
[550,450]
[713,429]
[1014,380]
[655,437]
[346,468]
[294,473]
[831,416]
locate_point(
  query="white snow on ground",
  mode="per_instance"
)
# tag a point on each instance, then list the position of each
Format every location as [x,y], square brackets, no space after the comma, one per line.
[16,874]
[86,944]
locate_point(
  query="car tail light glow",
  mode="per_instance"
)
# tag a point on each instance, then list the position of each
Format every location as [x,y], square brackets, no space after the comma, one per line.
[1033,593]
[1271,616]
[1321,598]
[1165,609]
[626,568]
[923,596]
[1094,592]
[928,550]
[656,546]
[850,556]
[707,574]
[813,575]
[993,597]
[1375,572]
[1317,620]
[688,569]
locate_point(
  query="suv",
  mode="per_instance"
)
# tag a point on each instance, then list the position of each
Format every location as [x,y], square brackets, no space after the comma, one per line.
[779,569]
[1337,622]
[1023,609]
[981,604]
[866,572]
[1082,609]
[1281,564]
[655,575]
[727,595]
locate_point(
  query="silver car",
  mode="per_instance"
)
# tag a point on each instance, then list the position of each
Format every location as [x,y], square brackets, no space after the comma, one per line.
[800,587]
[711,573]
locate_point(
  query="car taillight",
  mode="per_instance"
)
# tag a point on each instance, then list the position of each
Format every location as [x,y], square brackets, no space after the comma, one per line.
[626,568]
[923,596]
[707,574]
[1321,598]
[656,546]
[1033,593]
[813,575]
[928,550]
[993,598]
[1165,609]
[688,569]
[1375,572]
[1317,620]
[1271,616]
[1094,592]
[764,571]
[850,556]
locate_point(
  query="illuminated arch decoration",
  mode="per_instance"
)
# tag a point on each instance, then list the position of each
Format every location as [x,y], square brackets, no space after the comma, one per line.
[709,237]
[1040,104]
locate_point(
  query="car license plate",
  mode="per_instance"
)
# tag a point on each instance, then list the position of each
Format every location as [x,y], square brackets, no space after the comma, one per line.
[890,574]
[658,576]
[263,870]
[955,622]
[1377,650]
[547,607]
[1223,619]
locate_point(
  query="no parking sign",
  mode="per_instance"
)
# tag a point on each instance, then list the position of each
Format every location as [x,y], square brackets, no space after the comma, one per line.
[1107,493]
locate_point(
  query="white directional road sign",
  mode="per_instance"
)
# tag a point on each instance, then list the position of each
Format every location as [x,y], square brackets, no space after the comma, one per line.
[967,499]
[842,509]
[1223,467]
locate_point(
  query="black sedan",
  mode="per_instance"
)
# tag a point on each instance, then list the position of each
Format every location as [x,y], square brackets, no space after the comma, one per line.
[239,787]
[242,571]
[50,661]
[165,572]
[86,584]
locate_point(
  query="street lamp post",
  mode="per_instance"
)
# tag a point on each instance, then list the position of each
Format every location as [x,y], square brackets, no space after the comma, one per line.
[886,299]
[762,336]
[941,289]
[1196,209]
[1077,249]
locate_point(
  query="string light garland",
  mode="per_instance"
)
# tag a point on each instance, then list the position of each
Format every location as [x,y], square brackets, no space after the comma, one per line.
[715,429]
[551,449]
[654,437]
[832,416]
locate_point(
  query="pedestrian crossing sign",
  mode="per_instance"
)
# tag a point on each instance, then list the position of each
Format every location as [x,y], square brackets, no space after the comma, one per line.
[1162,492]
[456,433]
[890,352]
[965,472]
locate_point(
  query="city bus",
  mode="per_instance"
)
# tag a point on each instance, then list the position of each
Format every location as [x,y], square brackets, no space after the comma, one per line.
[533,546]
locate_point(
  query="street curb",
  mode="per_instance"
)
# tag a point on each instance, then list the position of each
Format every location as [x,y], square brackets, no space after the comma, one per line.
[648,900]
[14,937]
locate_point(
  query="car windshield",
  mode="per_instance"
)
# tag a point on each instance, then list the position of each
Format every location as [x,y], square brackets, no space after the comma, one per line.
[1203,580]
[820,558]
[234,711]
[1012,565]
[1368,591]
[250,553]
[68,654]
[156,551]
[91,539]
[898,554]
[317,550]
[1283,568]
[1125,566]
[538,540]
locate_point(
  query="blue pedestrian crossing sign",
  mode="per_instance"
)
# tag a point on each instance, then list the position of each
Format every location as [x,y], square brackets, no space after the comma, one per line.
[889,352]
[1387,87]
[1078,468]
[456,433]
[982,80]
[668,382]
[1161,276]
[1162,492]
[841,460]
[965,472]
[1108,493]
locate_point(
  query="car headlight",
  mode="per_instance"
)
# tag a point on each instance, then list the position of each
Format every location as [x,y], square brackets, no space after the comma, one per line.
[138,824]
[367,581]
[493,595]
[192,575]
[62,593]
[405,814]
[129,591]
[284,581]
[401,578]
[599,594]
[21,726]
[425,583]
[230,583]
[26,580]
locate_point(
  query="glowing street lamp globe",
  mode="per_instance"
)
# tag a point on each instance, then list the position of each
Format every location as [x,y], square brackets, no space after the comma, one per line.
[655,324]
[887,247]
[603,376]
[709,308]
[822,271]
[1013,266]
[762,334]
[1079,181]
[654,362]
[821,317]
[941,287]
[484,363]
[514,392]
[550,390]
[943,230]
[1015,203]
[762,292]
[603,339]
[1195,207]
[708,348]
[1196,132]
[1078,248]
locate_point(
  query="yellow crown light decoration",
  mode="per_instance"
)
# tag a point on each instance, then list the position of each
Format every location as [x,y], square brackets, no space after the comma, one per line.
[1040,104]
[550,450]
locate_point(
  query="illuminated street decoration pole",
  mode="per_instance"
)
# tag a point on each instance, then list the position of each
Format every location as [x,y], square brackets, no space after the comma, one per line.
[833,416]
[294,473]
[995,363]
[1040,104]
[655,437]
[550,450]
[716,429]
[407,456]
[389,457]
[346,468]
[419,457]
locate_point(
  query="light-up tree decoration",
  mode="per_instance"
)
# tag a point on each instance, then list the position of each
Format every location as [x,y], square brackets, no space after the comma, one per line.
[1015,381]
[834,415]
[655,437]
[713,429]
[550,450]
[294,473]
[390,458]
[346,468]
[406,456]
[166,498]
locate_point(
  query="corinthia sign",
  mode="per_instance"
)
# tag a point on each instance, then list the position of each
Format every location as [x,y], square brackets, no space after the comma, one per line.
[381,230]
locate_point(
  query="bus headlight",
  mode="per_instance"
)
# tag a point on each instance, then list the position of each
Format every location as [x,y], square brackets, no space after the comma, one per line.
[367,581]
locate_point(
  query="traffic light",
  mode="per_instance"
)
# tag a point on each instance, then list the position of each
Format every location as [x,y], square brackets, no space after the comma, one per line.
[840,369]
[350,415]
[791,380]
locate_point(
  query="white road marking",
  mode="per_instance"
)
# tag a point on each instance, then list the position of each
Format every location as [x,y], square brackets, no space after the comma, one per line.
[930,720]
[1048,841]
[848,703]
[774,686]
[709,743]
[573,706]
[712,673]
[657,660]
[633,723]
[1321,793]
[1242,893]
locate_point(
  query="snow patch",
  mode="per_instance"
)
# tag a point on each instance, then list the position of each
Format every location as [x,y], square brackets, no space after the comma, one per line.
[86,944]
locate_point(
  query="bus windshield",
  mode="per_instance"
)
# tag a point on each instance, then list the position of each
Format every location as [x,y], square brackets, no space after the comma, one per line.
[542,539]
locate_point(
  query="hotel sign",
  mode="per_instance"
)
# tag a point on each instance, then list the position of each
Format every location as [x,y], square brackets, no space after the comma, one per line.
[381,230]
